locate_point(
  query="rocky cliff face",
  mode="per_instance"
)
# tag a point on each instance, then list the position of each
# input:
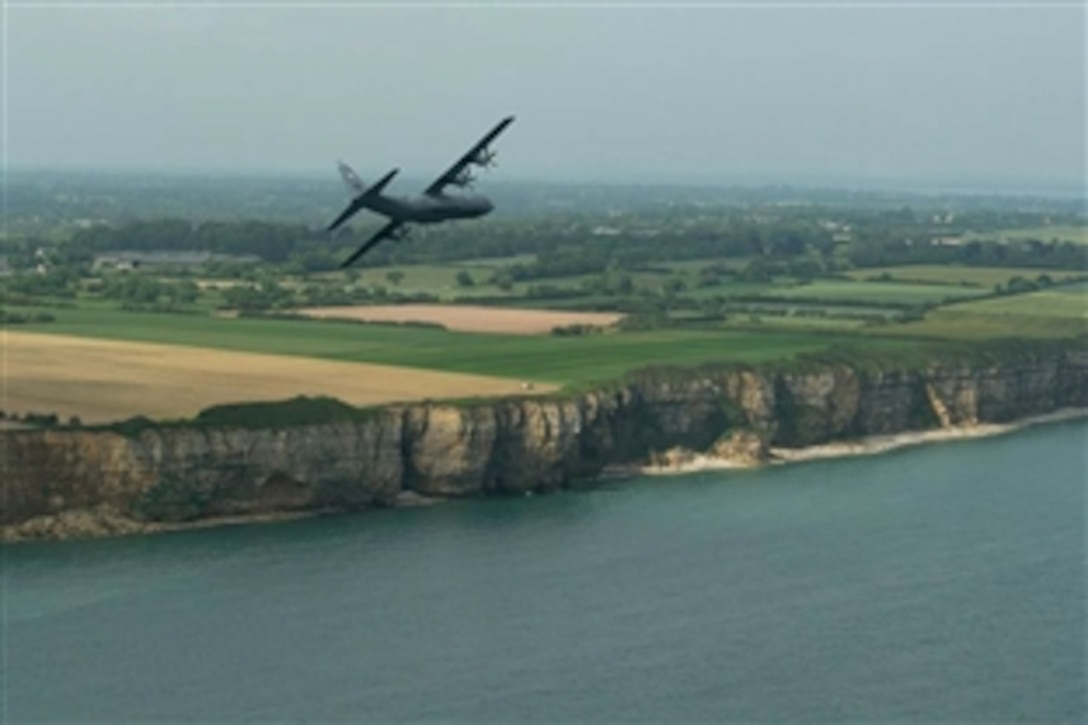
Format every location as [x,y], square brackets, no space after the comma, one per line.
[175,474]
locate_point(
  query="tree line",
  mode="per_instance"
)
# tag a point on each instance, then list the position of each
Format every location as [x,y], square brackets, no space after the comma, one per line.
[566,244]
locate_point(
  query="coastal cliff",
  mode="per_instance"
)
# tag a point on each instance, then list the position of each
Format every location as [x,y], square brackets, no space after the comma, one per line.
[63,483]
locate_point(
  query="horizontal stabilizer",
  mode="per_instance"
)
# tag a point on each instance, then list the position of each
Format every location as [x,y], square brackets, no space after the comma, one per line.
[389,231]
[380,184]
[360,201]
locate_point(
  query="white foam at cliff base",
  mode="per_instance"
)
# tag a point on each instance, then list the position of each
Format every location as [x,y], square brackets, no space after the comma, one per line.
[870,445]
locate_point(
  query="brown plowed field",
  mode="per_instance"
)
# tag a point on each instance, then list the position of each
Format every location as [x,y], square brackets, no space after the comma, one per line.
[105,380]
[502,320]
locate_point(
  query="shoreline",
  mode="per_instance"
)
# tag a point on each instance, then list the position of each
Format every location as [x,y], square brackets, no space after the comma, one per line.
[104,521]
[870,445]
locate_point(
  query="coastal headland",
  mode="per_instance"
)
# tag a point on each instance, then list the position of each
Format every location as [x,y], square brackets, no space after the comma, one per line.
[314,455]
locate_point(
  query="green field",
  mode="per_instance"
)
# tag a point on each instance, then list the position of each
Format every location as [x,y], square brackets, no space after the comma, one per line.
[1062,303]
[493,262]
[565,360]
[729,289]
[958,275]
[694,266]
[433,279]
[875,293]
[441,280]
[1077,235]
[956,325]
[798,323]
[1061,312]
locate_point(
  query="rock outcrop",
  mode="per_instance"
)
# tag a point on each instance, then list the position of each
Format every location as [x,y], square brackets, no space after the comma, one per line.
[186,473]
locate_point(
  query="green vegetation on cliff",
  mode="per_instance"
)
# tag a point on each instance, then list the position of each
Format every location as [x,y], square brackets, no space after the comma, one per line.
[261,415]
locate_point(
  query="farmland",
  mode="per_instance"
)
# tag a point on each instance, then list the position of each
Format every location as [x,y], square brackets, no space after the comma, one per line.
[875,293]
[1051,313]
[547,358]
[100,380]
[438,280]
[1062,303]
[1061,233]
[564,298]
[463,318]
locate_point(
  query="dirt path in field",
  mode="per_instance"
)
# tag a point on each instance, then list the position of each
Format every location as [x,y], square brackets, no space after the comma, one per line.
[105,380]
[464,318]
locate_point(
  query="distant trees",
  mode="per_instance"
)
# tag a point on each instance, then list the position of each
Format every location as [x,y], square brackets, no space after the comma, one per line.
[268,241]
[799,240]
[267,294]
[137,290]
[61,282]
[890,250]
[503,279]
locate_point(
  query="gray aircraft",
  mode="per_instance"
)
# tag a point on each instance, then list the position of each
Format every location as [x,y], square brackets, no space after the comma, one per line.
[433,206]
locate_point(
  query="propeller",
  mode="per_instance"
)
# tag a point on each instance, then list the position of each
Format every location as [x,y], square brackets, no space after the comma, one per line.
[485,159]
[464,179]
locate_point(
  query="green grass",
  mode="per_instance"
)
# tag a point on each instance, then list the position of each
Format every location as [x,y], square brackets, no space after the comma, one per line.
[729,289]
[771,306]
[432,279]
[952,324]
[1062,303]
[875,293]
[493,262]
[959,275]
[564,360]
[441,280]
[1051,313]
[1075,234]
[793,323]
[694,266]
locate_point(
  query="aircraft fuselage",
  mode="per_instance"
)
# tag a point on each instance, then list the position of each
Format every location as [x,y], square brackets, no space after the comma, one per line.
[429,208]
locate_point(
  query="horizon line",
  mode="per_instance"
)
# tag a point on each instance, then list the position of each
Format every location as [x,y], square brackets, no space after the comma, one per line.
[998,186]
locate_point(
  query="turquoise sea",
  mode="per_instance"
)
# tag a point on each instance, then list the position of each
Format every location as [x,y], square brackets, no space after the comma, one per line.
[937,583]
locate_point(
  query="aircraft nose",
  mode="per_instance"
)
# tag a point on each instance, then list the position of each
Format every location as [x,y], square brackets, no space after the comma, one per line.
[486,205]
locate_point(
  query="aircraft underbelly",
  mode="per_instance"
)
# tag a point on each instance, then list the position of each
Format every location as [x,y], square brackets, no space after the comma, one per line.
[433,212]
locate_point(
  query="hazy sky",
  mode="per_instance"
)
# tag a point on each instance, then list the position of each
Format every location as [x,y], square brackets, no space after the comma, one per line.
[965,91]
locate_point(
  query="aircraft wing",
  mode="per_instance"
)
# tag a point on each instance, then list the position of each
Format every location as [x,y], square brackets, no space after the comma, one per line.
[355,205]
[384,233]
[470,157]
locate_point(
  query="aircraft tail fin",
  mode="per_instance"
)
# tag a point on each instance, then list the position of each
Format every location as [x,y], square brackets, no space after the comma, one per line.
[355,185]
[351,179]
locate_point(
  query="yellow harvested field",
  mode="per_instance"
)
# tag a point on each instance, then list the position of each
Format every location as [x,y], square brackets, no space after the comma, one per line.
[106,380]
[465,318]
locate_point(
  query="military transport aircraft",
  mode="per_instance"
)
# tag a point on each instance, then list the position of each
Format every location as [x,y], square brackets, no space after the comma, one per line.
[434,205]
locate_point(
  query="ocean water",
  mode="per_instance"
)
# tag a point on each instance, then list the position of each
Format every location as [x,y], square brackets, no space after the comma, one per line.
[937,583]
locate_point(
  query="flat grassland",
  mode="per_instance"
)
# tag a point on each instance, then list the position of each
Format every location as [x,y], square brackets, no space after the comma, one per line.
[463,318]
[1049,313]
[1075,234]
[570,360]
[958,275]
[105,380]
[888,293]
[1061,302]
